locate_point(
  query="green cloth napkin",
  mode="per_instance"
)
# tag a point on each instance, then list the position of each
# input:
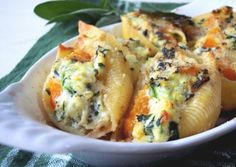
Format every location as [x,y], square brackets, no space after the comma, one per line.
[221,152]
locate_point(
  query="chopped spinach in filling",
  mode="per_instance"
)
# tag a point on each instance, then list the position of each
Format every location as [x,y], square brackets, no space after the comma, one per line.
[80,101]
[170,85]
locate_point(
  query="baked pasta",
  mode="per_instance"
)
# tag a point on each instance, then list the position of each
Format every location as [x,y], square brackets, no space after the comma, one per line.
[217,34]
[179,97]
[88,90]
[155,85]
[91,37]
[153,31]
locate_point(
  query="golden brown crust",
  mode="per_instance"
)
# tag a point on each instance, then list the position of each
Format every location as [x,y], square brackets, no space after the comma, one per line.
[152,31]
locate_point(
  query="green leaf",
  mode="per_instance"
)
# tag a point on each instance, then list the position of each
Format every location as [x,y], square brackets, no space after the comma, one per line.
[107,20]
[51,9]
[104,4]
[126,6]
[91,14]
[163,7]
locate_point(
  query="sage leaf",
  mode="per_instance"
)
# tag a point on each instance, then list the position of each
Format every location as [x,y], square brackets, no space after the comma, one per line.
[104,4]
[51,9]
[91,14]
[162,7]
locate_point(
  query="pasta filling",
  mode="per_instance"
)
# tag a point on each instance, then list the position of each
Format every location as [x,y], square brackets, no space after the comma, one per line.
[158,30]
[219,37]
[171,82]
[79,102]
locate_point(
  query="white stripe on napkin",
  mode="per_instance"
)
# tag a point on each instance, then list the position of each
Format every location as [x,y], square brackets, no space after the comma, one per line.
[9,158]
[33,160]
[59,160]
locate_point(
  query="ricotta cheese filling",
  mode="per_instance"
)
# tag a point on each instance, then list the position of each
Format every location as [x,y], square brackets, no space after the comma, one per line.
[218,36]
[80,103]
[172,81]
[157,30]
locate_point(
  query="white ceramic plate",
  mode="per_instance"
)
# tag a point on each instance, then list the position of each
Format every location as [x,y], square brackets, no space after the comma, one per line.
[22,125]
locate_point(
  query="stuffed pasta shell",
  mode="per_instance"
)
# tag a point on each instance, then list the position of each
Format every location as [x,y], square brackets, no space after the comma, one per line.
[91,37]
[152,30]
[179,96]
[88,90]
[218,35]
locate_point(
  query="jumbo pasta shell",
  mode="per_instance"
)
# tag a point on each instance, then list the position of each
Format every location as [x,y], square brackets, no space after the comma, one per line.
[202,111]
[91,36]
[152,30]
[180,97]
[87,91]
[216,33]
